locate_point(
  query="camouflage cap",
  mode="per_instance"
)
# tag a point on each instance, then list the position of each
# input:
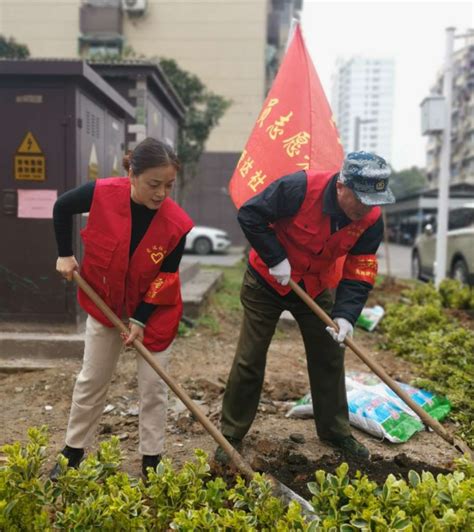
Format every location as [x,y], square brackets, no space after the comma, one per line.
[367,175]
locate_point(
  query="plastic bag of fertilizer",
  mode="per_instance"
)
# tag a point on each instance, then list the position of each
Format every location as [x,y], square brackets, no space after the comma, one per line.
[374,408]
[370,412]
[379,416]
[435,405]
[302,409]
[370,317]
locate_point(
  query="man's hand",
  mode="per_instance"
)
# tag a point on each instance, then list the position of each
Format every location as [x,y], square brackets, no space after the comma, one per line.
[66,266]
[281,272]
[136,333]
[345,330]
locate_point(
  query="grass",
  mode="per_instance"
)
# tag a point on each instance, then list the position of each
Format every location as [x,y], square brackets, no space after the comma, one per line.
[227,299]
[224,303]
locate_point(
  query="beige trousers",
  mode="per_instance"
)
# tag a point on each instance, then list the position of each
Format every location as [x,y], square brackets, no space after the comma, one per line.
[101,353]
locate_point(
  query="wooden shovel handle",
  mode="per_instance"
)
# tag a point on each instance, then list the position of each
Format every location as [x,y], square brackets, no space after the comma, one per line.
[380,372]
[246,470]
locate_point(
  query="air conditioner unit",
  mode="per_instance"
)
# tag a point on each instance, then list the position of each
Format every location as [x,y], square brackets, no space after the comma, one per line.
[134,6]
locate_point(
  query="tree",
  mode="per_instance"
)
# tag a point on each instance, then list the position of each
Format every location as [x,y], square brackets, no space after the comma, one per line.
[204,109]
[10,49]
[407,182]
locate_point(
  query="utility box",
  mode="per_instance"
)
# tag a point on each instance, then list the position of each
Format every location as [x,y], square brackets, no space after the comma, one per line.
[433,114]
[63,125]
[159,110]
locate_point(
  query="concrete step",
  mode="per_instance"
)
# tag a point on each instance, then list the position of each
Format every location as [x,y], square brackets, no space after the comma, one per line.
[196,293]
[188,270]
[17,364]
[40,345]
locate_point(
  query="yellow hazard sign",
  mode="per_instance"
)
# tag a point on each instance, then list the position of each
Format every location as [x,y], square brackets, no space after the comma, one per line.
[30,163]
[93,168]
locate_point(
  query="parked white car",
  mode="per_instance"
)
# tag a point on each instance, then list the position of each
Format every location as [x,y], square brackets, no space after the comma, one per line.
[204,240]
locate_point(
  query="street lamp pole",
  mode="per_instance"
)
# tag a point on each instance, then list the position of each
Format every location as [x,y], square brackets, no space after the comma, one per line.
[445,163]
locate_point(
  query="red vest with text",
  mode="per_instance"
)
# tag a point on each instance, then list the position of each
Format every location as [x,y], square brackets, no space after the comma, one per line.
[316,256]
[123,281]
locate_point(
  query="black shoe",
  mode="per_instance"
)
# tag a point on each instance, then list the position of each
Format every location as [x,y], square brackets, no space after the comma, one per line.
[350,446]
[221,457]
[150,461]
[74,458]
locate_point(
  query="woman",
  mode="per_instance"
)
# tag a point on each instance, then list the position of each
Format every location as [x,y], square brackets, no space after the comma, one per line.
[133,244]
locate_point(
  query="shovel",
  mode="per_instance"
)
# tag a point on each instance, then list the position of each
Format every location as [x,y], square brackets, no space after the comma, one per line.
[279,489]
[380,372]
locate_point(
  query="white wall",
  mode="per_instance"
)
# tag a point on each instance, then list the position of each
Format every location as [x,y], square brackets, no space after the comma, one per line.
[50,28]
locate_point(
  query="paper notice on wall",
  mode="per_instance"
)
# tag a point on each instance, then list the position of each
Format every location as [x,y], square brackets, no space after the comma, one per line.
[36,203]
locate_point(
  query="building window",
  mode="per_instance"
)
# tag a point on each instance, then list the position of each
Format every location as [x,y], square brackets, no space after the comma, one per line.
[103,49]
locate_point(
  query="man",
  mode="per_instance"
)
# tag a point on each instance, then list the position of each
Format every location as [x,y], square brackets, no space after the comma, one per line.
[322,231]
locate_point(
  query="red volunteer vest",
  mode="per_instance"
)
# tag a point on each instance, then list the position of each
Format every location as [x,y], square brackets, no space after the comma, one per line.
[122,281]
[315,255]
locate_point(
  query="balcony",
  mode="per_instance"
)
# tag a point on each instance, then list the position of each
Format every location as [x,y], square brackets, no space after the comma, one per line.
[101,27]
[97,20]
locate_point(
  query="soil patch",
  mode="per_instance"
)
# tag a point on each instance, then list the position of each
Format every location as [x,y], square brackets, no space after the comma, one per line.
[296,475]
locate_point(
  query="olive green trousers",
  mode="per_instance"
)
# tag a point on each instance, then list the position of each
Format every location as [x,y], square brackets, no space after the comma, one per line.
[325,362]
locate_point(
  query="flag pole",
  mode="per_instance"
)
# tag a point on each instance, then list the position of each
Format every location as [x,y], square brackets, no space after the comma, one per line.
[291,32]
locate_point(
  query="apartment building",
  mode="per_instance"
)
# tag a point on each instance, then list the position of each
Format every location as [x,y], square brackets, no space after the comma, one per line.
[362,99]
[234,46]
[462,123]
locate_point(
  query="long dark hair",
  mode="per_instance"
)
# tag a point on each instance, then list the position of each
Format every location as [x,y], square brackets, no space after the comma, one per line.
[150,153]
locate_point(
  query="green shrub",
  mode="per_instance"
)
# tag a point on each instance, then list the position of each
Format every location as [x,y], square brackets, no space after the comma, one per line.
[24,498]
[456,295]
[451,294]
[423,503]
[419,330]
[423,294]
[97,496]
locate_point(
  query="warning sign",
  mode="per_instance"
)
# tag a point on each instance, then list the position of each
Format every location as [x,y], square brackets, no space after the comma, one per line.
[93,167]
[115,166]
[30,163]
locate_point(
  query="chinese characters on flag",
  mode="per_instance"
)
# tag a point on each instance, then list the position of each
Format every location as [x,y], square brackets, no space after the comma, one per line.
[294,131]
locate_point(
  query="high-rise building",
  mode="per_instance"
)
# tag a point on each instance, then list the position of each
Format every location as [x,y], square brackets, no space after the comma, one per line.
[462,123]
[362,101]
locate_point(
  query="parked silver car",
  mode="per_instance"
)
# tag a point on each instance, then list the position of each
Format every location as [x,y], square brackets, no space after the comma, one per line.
[460,252]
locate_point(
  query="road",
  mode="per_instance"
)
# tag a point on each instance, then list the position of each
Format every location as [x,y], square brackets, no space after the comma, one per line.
[399,257]
[217,259]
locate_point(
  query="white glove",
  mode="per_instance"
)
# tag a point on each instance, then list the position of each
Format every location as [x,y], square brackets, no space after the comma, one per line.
[345,330]
[281,272]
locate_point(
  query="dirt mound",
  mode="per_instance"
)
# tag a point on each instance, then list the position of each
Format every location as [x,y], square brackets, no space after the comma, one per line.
[295,470]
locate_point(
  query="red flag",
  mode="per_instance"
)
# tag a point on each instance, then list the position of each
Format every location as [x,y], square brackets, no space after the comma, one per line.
[294,131]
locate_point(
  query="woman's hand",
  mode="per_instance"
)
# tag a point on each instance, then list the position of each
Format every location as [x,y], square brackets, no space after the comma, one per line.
[136,333]
[66,266]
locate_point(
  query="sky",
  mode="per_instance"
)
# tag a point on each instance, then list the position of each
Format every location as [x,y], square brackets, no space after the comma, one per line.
[413,33]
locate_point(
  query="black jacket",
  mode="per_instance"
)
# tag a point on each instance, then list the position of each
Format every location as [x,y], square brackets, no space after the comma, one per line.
[282,199]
